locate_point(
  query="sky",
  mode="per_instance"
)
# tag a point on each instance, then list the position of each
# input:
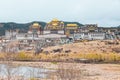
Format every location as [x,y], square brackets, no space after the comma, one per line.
[105,13]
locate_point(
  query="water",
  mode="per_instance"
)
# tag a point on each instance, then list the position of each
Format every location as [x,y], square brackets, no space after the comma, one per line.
[24,71]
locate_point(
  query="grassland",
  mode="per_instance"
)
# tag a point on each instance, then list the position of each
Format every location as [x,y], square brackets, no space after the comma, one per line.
[94,60]
[93,51]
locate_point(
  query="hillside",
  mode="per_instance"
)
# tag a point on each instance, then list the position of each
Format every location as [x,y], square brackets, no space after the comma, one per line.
[88,47]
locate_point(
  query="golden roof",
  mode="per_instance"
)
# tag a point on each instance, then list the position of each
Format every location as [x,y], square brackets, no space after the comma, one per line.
[62,22]
[55,19]
[35,25]
[54,24]
[72,25]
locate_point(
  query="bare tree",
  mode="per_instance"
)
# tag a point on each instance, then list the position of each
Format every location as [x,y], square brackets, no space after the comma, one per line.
[69,72]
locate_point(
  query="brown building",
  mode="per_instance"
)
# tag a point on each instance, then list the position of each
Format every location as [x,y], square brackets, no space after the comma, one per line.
[71,29]
[90,28]
[35,28]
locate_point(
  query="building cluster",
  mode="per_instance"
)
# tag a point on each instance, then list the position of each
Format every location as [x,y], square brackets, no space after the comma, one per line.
[54,33]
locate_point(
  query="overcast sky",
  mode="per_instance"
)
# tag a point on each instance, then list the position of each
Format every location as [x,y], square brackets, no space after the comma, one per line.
[103,12]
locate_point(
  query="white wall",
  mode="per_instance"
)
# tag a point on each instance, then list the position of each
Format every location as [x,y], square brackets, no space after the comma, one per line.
[46,32]
[99,36]
[61,32]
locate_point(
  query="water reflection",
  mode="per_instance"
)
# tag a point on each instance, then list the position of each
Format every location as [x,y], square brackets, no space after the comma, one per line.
[24,71]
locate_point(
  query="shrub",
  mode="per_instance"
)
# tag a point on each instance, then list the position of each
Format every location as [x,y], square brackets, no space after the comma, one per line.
[97,57]
[54,62]
[24,56]
[2,56]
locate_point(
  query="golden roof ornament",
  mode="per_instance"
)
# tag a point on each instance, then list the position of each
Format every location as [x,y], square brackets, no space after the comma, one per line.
[35,25]
[72,25]
[55,19]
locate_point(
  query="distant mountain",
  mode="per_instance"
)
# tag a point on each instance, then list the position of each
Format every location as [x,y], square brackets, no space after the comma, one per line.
[12,26]
[119,26]
[23,27]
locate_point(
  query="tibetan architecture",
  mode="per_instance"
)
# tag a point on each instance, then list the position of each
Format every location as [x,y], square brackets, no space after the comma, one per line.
[55,32]
[71,29]
[89,28]
[54,27]
[89,32]
[35,28]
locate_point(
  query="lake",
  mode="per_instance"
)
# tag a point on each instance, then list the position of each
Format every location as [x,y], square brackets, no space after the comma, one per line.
[24,71]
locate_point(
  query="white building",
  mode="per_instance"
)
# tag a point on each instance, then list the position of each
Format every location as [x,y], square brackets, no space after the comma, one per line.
[89,36]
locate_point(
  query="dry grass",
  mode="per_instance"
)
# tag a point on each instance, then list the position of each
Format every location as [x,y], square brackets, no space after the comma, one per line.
[95,51]
[93,57]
